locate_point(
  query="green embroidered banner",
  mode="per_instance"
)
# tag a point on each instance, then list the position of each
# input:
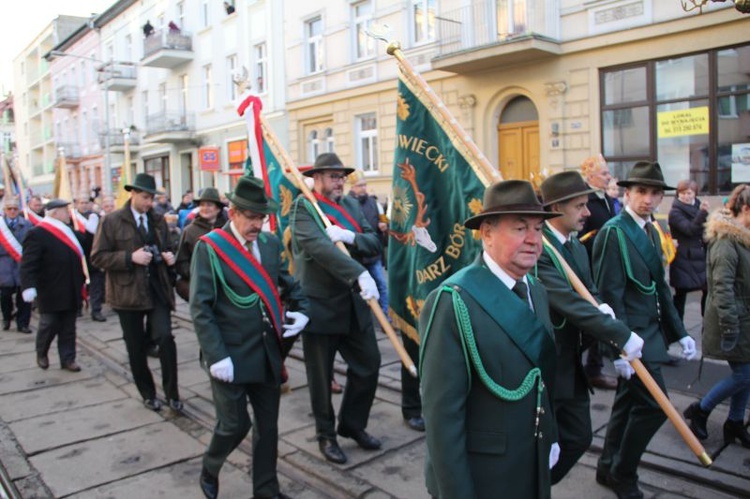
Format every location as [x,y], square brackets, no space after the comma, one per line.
[435,188]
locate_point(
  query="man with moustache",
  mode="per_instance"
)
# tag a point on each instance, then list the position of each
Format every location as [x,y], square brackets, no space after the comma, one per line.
[340,319]
[238,279]
[488,361]
[572,315]
[627,264]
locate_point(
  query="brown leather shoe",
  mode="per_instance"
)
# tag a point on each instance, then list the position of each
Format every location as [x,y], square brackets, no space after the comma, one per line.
[42,361]
[72,367]
[603,382]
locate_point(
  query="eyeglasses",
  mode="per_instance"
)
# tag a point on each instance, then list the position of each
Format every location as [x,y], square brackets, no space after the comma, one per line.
[11,208]
[338,177]
[254,217]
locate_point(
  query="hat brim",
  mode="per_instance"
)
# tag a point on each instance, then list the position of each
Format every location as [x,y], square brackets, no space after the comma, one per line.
[268,208]
[217,201]
[569,196]
[130,187]
[52,206]
[476,221]
[645,181]
[309,173]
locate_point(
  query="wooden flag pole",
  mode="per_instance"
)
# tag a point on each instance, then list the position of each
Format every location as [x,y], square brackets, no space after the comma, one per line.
[372,302]
[641,371]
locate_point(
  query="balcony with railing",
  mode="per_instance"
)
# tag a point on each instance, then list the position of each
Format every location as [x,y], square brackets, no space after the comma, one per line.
[489,34]
[170,127]
[66,96]
[118,76]
[72,150]
[167,48]
[117,141]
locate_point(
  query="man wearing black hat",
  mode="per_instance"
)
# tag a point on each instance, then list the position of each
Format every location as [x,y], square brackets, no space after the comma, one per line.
[572,315]
[238,279]
[488,361]
[340,319]
[132,247]
[627,264]
[52,272]
[210,216]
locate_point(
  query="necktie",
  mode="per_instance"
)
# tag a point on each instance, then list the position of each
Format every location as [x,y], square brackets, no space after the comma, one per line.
[252,247]
[142,227]
[649,228]
[522,291]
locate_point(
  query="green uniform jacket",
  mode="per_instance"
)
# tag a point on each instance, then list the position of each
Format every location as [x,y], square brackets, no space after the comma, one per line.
[225,330]
[479,446]
[326,274]
[657,323]
[572,315]
[728,303]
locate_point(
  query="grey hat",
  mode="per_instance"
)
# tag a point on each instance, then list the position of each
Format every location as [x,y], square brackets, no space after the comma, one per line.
[210,194]
[250,194]
[509,197]
[56,203]
[143,182]
[328,161]
[564,186]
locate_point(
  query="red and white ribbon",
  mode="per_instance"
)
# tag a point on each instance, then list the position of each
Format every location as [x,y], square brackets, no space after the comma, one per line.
[9,241]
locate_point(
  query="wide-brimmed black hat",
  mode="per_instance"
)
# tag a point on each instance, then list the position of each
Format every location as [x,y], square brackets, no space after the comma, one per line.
[563,186]
[143,182]
[56,203]
[328,161]
[646,173]
[509,197]
[250,194]
[210,194]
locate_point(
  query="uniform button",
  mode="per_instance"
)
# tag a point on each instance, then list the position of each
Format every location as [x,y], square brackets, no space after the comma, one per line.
[541,411]
[540,435]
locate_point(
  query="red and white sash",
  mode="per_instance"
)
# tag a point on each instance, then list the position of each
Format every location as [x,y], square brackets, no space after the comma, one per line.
[65,235]
[79,221]
[32,217]
[9,241]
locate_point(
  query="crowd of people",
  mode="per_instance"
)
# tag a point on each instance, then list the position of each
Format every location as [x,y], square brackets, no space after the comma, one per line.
[525,346]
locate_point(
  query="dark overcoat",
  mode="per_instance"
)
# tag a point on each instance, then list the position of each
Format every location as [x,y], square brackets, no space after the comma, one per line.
[688,270]
[9,269]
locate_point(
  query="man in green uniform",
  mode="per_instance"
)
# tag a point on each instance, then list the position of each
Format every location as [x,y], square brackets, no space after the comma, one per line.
[487,361]
[237,287]
[340,319]
[572,315]
[627,264]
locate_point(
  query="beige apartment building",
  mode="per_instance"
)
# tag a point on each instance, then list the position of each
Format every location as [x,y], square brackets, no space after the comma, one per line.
[539,85]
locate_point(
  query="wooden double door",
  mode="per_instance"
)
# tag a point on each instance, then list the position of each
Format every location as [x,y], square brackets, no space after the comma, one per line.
[518,150]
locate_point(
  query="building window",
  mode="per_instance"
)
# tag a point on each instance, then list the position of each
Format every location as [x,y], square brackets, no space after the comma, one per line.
[423,20]
[83,74]
[362,21]
[208,96]
[181,15]
[159,169]
[366,130]
[688,113]
[204,13]
[313,146]
[261,69]
[328,137]
[128,48]
[314,44]
[231,87]
[163,97]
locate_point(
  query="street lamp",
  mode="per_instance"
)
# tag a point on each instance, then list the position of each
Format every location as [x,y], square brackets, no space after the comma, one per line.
[107,174]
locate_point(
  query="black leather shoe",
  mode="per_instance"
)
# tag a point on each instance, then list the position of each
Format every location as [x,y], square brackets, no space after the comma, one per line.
[331,450]
[153,351]
[152,404]
[42,361]
[98,317]
[71,366]
[175,404]
[6,325]
[624,490]
[209,484]
[24,329]
[363,439]
[415,423]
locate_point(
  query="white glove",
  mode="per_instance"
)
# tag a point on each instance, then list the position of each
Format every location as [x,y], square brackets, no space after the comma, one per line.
[29,295]
[606,309]
[554,455]
[688,348]
[337,234]
[223,370]
[92,223]
[623,368]
[297,324]
[367,286]
[633,347]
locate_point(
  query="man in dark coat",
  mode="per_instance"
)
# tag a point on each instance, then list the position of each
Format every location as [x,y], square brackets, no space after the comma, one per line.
[52,272]
[236,273]
[88,223]
[13,230]
[131,247]
[488,408]
[572,315]
[601,208]
[627,264]
[340,319]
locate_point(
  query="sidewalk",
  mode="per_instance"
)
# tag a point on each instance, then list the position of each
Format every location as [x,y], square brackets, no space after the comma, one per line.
[87,434]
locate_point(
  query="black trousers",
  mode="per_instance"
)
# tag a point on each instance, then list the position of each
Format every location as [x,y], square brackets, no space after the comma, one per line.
[411,401]
[636,417]
[574,432]
[62,325]
[680,297]
[360,351]
[23,314]
[134,333]
[233,424]
[96,289]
